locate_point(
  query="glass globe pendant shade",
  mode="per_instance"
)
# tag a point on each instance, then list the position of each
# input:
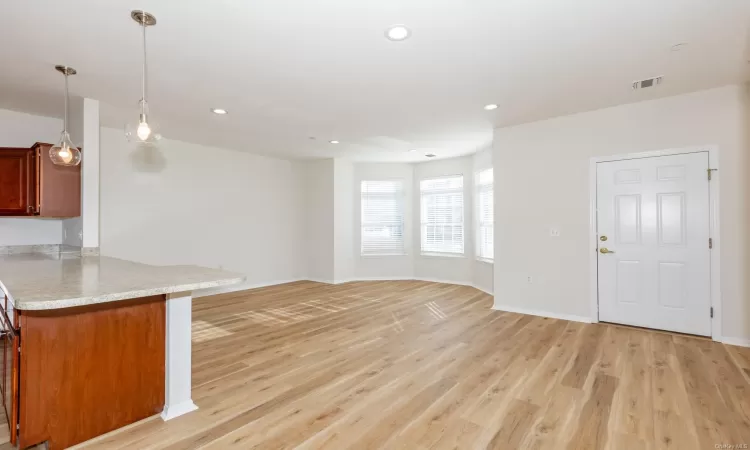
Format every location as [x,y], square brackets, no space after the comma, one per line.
[64,153]
[145,131]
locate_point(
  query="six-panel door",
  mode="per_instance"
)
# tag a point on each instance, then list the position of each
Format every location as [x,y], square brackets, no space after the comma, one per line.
[653,229]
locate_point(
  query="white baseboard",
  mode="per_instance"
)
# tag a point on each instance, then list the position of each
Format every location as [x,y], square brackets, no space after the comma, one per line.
[476,286]
[246,286]
[319,280]
[436,280]
[739,342]
[431,280]
[376,279]
[239,287]
[172,411]
[534,312]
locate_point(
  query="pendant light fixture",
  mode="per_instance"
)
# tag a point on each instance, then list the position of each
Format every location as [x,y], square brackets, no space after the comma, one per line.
[144,131]
[64,153]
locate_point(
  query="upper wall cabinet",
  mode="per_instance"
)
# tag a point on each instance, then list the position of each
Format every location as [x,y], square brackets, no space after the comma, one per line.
[31,185]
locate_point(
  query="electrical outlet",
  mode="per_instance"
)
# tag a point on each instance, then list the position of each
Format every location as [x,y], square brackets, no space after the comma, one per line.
[529,279]
[554,232]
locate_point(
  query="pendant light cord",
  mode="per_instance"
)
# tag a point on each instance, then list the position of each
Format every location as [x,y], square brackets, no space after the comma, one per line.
[143,75]
[65,121]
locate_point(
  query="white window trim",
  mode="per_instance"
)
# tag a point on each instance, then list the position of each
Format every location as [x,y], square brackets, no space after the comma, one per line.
[463,222]
[404,252]
[478,188]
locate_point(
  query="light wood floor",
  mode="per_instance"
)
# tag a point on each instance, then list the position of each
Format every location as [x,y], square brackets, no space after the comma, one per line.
[419,365]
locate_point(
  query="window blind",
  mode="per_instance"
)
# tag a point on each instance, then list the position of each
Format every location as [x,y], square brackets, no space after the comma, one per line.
[485,215]
[442,215]
[382,217]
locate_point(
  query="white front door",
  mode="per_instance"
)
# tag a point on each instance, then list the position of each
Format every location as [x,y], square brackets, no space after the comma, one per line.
[653,231]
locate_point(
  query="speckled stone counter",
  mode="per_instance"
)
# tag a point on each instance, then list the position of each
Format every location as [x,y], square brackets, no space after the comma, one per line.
[39,281]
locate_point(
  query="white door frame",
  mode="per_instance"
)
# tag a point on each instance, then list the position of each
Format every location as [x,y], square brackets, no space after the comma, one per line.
[713,161]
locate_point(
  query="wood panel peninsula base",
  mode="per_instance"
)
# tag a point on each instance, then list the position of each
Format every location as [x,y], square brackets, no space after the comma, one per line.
[71,373]
[88,370]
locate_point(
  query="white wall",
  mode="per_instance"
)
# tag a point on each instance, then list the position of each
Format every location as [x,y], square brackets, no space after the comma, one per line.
[318,219]
[191,204]
[482,271]
[458,269]
[23,130]
[343,220]
[384,267]
[542,180]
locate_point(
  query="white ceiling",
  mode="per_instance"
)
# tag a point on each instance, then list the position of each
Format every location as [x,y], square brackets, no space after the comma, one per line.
[289,70]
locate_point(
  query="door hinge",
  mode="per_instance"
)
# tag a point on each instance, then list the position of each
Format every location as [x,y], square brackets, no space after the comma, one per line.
[712,312]
[709,173]
[710,243]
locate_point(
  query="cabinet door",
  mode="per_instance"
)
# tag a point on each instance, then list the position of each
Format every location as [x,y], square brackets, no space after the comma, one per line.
[59,191]
[17,182]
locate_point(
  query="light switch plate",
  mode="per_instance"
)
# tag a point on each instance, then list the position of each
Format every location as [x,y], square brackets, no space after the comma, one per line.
[554,232]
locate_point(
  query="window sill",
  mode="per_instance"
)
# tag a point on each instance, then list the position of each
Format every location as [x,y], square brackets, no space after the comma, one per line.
[382,255]
[443,255]
[486,260]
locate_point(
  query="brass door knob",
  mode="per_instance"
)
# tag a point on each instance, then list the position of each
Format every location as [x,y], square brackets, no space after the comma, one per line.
[605,250]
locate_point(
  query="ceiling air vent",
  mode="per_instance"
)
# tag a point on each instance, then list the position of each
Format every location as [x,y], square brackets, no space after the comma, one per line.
[650,82]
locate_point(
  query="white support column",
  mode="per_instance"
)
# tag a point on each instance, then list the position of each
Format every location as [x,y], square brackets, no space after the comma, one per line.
[84,130]
[90,175]
[178,400]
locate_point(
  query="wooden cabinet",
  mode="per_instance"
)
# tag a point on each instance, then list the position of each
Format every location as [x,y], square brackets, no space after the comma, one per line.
[84,371]
[17,170]
[10,365]
[31,185]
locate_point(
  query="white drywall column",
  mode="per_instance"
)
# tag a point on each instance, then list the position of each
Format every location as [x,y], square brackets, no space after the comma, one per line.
[90,174]
[178,399]
[329,220]
[343,221]
[84,129]
[319,208]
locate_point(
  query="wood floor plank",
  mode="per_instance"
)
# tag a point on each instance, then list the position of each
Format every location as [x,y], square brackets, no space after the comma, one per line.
[632,405]
[418,365]
[712,417]
[516,424]
[591,428]
[585,356]
[673,417]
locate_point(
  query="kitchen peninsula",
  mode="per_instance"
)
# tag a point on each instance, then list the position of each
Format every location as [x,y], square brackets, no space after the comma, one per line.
[95,343]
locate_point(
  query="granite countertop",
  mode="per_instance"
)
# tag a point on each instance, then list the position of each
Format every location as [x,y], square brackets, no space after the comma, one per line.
[63,280]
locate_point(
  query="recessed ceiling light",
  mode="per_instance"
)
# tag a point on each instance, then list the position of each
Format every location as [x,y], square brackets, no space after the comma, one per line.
[219,111]
[490,107]
[334,142]
[430,155]
[412,150]
[397,33]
